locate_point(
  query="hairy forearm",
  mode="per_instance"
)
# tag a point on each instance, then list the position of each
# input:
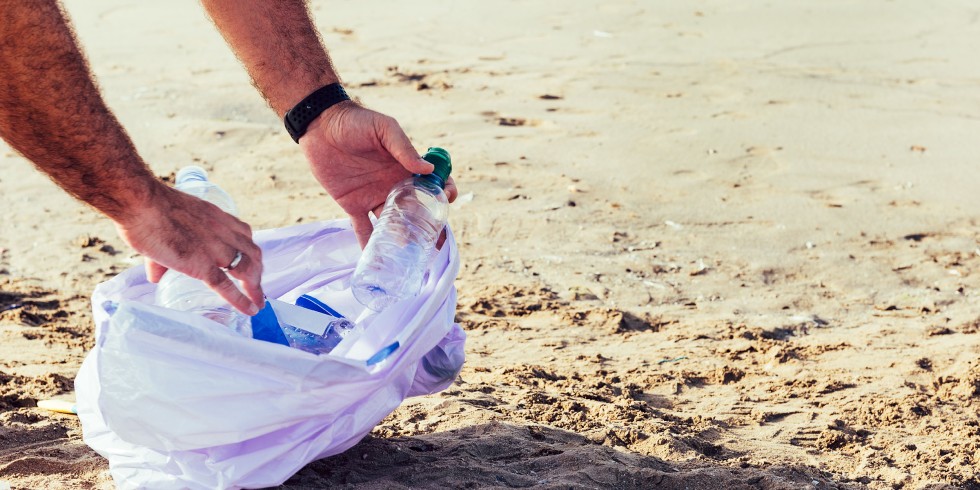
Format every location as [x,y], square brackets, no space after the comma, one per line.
[52,113]
[278,44]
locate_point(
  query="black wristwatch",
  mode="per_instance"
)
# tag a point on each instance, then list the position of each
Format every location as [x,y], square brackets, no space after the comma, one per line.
[299,117]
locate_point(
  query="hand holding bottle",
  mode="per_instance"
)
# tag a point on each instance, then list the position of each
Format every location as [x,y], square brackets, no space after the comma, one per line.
[358,155]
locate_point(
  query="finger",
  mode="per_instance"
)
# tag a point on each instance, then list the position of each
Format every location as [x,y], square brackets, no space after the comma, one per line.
[451,190]
[442,239]
[362,228]
[249,268]
[398,145]
[242,227]
[154,271]
[249,272]
[218,281]
[248,248]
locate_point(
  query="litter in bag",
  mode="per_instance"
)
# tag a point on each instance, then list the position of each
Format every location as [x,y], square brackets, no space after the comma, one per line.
[175,400]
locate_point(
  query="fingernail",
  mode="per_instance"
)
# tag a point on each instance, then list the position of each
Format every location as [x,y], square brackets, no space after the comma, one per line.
[253,310]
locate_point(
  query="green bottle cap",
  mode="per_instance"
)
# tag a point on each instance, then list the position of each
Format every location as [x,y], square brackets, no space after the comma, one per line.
[440,158]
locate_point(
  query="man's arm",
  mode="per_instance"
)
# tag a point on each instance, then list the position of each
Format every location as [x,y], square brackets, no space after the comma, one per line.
[357,154]
[278,45]
[52,113]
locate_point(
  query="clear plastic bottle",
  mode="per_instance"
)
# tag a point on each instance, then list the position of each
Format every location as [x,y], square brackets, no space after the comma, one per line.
[274,324]
[184,293]
[318,344]
[393,263]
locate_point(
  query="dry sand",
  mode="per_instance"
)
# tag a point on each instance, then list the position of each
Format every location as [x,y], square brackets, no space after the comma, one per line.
[706,245]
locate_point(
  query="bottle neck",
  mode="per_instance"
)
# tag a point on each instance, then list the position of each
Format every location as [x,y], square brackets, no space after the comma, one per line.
[431,179]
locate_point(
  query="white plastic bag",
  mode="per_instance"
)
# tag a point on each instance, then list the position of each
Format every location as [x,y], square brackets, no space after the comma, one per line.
[174,400]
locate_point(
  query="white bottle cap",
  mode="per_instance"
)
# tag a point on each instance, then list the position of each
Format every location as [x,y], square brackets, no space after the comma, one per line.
[191,173]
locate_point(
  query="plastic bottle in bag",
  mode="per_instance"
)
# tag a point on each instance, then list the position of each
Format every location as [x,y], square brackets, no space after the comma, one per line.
[282,323]
[184,293]
[393,263]
[317,344]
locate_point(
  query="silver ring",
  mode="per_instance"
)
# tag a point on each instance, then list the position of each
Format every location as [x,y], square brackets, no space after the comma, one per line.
[234,262]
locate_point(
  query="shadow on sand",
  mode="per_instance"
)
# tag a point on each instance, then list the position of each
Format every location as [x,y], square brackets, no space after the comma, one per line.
[501,455]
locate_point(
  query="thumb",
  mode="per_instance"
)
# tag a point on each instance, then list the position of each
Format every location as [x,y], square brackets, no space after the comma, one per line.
[154,271]
[400,147]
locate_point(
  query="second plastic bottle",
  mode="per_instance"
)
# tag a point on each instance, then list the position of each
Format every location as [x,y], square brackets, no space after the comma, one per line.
[393,264]
[184,293]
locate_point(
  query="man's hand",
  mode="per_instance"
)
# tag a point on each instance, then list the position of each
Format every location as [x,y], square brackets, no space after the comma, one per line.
[181,232]
[358,155]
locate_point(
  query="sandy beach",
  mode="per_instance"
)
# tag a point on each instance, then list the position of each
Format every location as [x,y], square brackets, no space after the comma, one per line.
[705,245]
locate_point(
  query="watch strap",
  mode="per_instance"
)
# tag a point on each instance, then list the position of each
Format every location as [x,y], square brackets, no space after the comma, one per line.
[298,118]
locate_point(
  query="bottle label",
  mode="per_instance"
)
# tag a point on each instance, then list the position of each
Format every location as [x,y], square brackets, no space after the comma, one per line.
[302,318]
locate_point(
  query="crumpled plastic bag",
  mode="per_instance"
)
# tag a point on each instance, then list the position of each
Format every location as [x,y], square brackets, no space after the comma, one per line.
[174,400]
